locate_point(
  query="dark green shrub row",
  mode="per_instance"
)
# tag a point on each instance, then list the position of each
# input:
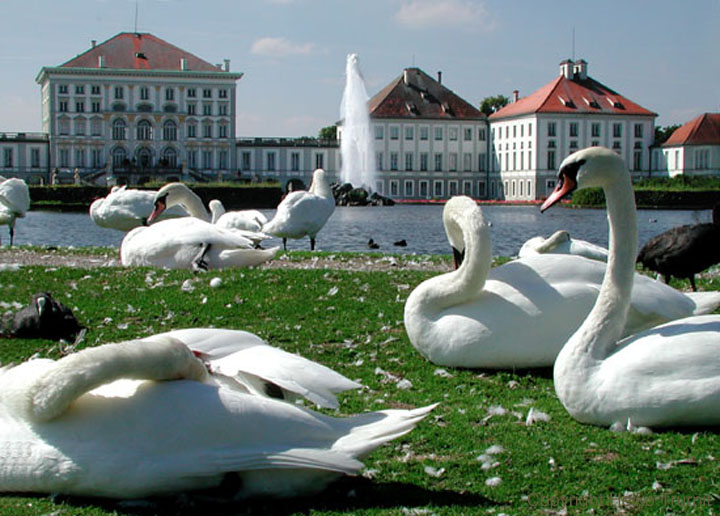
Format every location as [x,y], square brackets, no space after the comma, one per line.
[669,199]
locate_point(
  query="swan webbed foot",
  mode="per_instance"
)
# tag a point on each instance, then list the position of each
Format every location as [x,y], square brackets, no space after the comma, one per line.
[199,263]
[312,244]
[284,244]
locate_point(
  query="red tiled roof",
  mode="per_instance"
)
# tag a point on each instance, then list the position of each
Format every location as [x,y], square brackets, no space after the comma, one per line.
[702,130]
[573,96]
[417,95]
[139,51]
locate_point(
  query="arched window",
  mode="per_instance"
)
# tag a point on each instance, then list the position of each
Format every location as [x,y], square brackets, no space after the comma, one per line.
[144,130]
[80,126]
[118,129]
[144,157]
[169,157]
[170,131]
[119,155]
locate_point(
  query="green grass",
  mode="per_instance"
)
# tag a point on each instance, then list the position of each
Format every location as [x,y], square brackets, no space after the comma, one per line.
[352,322]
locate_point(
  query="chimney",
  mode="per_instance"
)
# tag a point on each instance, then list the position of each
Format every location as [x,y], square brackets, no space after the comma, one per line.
[580,69]
[567,69]
[406,77]
[516,95]
[440,76]
[101,61]
[183,64]
[227,65]
[93,42]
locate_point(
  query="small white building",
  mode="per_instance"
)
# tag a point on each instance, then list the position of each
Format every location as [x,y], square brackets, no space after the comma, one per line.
[532,135]
[138,106]
[692,150]
[25,155]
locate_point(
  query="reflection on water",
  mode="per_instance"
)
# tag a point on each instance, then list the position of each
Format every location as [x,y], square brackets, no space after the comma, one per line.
[349,229]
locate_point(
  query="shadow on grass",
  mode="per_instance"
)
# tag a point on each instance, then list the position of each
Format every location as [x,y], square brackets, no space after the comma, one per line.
[346,495]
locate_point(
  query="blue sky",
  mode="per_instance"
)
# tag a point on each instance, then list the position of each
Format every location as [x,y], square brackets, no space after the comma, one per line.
[664,55]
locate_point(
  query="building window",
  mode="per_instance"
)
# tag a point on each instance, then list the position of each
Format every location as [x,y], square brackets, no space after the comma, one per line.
[617,130]
[595,130]
[119,92]
[379,160]
[191,93]
[551,160]
[552,129]
[222,131]
[637,160]
[245,161]
[96,158]
[118,157]
[144,130]
[144,93]
[394,188]
[170,131]
[379,133]
[638,130]
[222,94]
[438,188]
[63,106]
[573,129]
[424,132]
[481,134]
[191,109]
[270,159]
[118,129]
[169,94]
[319,160]
[453,161]
[702,159]
[409,132]
[35,158]
[467,132]
[207,130]
[80,126]
[64,158]
[423,161]
[7,158]
[482,159]
[467,162]
[467,188]
[295,161]
[192,131]
[94,89]
[223,109]
[453,133]
[169,157]
[64,126]
[438,133]
[80,158]
[192,158]
[62,89]
[438,161]
[207,93]
[424,190]
[207,161]
[394,132]
[95,106]
[452,188]
[79,107]
[207,109]
[79,90]
[482,189]
[222,160]
[408,161]
[393,161]
[409,190]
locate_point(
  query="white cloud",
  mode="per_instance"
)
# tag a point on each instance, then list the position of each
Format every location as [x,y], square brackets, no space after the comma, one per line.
[444,14]
[280,47]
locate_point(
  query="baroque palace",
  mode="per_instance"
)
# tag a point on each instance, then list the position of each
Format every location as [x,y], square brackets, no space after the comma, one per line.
[136,108]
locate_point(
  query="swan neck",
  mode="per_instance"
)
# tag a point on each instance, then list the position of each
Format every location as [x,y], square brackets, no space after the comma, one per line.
[194,205]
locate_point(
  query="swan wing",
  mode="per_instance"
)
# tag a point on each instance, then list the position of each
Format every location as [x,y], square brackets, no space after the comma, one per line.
[299,214]
[15,195]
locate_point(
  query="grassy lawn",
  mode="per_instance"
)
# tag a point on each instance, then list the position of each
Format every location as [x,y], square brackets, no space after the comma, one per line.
[475,454]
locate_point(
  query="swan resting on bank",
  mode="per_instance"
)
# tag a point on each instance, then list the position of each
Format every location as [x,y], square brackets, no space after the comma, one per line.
[665,376]
[190,243]
[520,314]
[124,209]
[14,202]
[180,411]
[560,242]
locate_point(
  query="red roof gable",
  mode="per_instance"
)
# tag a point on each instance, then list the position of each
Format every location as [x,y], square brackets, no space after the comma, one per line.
[702,130]
[573,96]
[135,51]
[417,95]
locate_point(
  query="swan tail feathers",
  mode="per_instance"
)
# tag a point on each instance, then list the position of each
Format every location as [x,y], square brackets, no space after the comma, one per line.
[705,302]
[246,257]
[369,431]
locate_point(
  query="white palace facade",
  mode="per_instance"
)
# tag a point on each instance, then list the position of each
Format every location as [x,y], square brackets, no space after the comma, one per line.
[136,108]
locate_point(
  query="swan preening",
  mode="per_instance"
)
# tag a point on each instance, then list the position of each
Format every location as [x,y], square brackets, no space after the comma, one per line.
[560,242]
[180,411]
[303,213]
[124,209]
[666,376]
[684,251]
[14,202]
[520,314]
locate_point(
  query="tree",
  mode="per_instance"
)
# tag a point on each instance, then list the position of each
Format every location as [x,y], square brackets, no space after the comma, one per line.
[328,133]
[491,104]
[663,133]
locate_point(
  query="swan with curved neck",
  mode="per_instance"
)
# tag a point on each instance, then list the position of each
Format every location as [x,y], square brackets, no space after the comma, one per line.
[303,213]
[668,375]
[173,194]
[521,313]
[147,417]
[560,242]
[127,208]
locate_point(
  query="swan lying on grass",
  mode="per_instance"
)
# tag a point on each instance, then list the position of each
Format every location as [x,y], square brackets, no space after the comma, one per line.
[180,411]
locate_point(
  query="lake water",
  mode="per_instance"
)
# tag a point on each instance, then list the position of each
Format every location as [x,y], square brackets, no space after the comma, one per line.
[349,229]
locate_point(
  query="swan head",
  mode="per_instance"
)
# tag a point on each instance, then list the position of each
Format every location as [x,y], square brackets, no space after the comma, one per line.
[461,211]
[594,166]
[169,195]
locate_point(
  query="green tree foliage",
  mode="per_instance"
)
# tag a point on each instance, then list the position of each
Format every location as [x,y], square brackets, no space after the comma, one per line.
[328,133]
[491,104]
[663,133]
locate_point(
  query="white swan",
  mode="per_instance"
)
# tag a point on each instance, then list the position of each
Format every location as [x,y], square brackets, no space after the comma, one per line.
[190,243]
[124,209]
[666,376]
[303,213]
[144,417]
[521,313]
[249,220]
[14,202]
[561,243]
